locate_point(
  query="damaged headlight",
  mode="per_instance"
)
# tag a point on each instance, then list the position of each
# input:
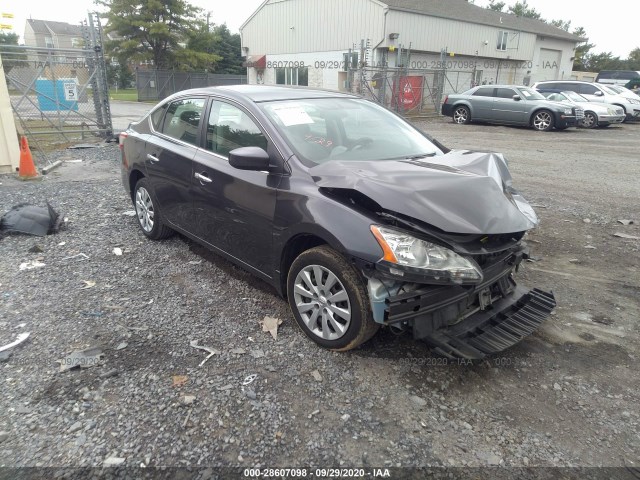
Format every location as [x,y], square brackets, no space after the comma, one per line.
[433,260]
[568,111]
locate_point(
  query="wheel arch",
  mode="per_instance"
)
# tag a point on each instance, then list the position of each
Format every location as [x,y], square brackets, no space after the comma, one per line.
[540,109]
[297,244]
[134,178]
[621,106]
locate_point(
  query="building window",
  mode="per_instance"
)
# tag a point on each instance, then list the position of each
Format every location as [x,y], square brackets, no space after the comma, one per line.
[502,40]
[292,76]
[76,42]
[48,42]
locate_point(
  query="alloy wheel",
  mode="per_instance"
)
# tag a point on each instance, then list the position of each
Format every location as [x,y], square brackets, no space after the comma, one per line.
[322,301]
[144,209]
[589,120]
[542,121]
[460,115]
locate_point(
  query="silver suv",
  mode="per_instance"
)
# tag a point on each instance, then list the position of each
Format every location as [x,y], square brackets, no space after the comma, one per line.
[594,92]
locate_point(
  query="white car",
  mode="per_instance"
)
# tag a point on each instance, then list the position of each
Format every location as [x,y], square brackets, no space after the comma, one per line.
[595,114]
[624,91]
[594,92]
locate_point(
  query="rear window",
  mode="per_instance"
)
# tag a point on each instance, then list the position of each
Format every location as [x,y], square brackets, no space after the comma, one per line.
[617,75]
[484,92]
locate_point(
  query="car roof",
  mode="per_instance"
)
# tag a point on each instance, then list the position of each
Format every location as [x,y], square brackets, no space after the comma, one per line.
[565,81]
[503,86]
[266,93]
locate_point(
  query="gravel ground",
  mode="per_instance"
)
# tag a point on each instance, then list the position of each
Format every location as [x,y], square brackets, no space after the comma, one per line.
[566,396]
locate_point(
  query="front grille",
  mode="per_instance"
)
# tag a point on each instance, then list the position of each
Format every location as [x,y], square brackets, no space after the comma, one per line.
[579,113]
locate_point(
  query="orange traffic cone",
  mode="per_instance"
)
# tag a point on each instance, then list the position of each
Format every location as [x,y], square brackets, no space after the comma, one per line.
[27,168]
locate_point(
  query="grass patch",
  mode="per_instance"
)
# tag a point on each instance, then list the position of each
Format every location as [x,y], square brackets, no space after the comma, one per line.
[129,94]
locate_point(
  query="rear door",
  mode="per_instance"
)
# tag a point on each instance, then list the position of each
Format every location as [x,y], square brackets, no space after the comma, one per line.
[482,103]
[235,208]
[169,155]
[506,109]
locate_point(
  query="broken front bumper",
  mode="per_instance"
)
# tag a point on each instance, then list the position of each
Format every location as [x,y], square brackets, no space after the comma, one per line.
[471,323]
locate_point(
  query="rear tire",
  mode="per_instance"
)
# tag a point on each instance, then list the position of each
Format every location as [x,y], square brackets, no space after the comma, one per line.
[147,211]
[461,115]
[329,301]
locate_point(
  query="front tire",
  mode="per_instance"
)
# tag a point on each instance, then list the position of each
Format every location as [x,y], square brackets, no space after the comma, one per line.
[542,121]
[590,120]
[461,115]
[147,212]
[328,299]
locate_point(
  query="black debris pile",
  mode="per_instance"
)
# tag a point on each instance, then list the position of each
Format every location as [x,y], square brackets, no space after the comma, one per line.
[32,220]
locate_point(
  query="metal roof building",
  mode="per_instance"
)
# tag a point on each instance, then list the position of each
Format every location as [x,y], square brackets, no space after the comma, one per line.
[309,41]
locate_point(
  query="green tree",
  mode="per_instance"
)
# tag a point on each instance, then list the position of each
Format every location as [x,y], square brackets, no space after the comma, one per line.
[120,75]
[522,9]
[228,47]
[582,51]
[10,57]
[496,6]
[153,30]
[604,61]
[562,24]
[8,38]
[633,61]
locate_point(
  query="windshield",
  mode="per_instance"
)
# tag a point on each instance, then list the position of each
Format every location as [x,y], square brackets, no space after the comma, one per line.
[608,90]
[617,88]
[576,97]
[529,94]
[325,129]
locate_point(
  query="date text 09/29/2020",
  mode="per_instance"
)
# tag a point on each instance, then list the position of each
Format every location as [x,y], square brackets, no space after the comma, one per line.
[415,65]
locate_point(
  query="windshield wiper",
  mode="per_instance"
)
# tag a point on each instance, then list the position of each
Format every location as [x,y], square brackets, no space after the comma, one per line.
[420,155]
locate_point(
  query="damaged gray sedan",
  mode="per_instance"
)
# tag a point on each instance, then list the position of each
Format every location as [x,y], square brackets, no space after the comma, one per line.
[359,219]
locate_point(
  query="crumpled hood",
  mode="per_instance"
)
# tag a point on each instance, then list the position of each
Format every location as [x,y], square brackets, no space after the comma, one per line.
[459,192]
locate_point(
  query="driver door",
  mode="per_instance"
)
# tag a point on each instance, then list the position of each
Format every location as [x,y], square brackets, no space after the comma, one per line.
[234,208]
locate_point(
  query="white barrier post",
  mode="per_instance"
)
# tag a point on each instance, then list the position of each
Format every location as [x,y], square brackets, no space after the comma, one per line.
[9,147]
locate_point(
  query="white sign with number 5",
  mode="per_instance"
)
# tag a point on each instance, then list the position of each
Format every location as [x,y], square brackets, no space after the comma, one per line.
[70,91]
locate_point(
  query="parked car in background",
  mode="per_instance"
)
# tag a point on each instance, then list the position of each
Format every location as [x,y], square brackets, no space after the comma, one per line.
[510,105]
[594,92]
[624,91]
[355,216]
[634,86]
[595,114]
[617,77]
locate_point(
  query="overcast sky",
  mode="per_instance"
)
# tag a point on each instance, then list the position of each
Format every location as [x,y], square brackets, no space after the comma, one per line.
[611,26]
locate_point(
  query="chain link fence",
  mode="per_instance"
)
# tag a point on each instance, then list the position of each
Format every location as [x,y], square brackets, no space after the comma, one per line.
[59,95]
[159,84]
[409,91]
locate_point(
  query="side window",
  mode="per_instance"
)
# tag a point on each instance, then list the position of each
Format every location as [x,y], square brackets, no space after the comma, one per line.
[588,89]
[484,92]
[229,128]
[502,40]
[182,119]
[505,93]
[156,117]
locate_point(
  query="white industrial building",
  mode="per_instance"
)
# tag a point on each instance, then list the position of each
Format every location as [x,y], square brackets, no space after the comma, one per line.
[306,42]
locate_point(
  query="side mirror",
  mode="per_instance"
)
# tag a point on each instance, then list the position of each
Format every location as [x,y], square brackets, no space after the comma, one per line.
[598,93]
[517,98]
[249,158]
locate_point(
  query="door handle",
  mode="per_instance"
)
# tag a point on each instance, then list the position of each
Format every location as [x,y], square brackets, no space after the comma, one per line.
[202,178]
[152,159]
